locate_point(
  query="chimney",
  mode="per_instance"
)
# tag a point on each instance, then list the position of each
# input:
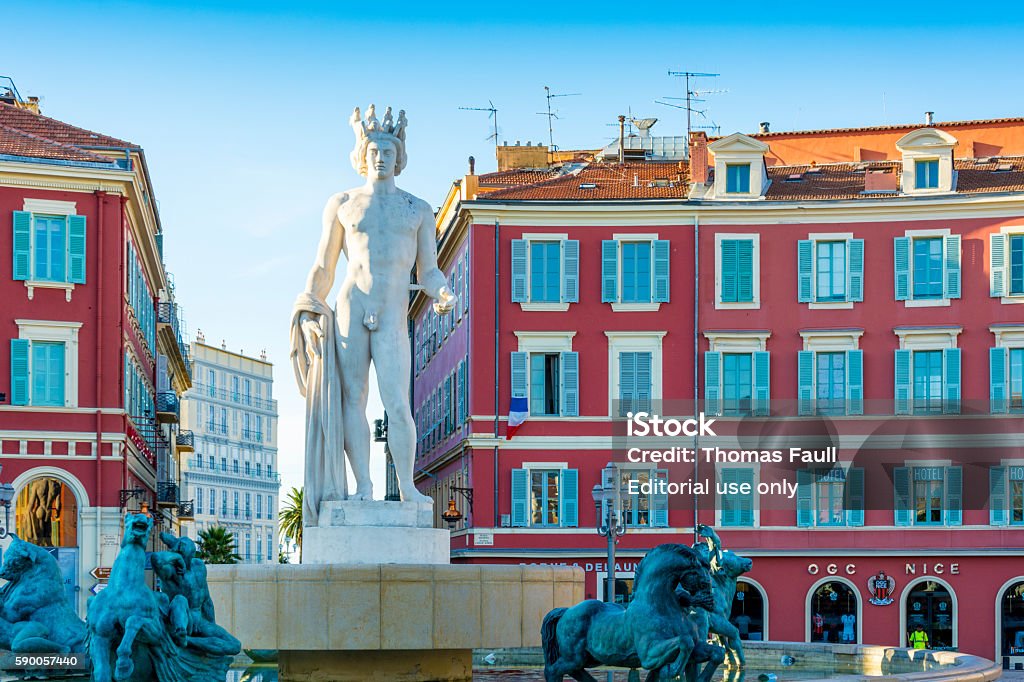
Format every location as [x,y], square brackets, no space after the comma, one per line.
[472,166]
[928,117]
[698,157]
[764,126]
[471,183]
[622,139]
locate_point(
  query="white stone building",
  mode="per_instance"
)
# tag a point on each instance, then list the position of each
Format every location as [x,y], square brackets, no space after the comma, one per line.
[232,475]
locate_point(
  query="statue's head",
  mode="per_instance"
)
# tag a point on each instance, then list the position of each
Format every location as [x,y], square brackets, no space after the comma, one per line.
[182,546]
[733,565]
[136,529]
[22,558]
[380,145]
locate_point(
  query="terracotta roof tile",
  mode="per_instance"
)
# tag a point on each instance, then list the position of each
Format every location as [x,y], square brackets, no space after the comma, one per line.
[19,143]
[631,180]
[518,176]
[1003,174]
[904,126]
[55,130]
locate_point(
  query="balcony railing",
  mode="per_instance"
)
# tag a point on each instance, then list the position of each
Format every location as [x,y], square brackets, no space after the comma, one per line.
[214,427]
[253,435]
[167,407]
[186,510]
[167,494]
[231,396]
[169,313]
[186,441]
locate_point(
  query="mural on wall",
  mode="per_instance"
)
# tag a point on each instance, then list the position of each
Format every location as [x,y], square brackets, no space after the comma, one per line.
[46,513]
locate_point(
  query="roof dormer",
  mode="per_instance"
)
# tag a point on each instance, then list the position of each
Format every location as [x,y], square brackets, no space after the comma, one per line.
[739,167]
[927,162]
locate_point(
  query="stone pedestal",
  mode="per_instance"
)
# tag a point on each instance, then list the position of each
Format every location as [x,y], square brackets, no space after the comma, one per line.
[364,532]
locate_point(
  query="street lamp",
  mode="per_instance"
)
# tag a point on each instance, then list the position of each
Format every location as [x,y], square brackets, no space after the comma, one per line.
[608,504]
[6,495]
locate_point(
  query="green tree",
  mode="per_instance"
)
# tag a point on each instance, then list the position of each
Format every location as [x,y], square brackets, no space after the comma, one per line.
[291,518]
[217,546]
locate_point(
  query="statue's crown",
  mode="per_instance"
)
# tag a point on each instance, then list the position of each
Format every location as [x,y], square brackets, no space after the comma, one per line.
[371,124]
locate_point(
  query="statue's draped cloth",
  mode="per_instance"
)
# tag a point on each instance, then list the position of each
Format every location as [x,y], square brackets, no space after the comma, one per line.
[319,379]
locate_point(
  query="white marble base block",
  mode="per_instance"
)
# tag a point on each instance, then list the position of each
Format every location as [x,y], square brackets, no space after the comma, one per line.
[363,532]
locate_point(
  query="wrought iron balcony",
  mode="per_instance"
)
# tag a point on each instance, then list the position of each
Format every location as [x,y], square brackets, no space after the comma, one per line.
[167,494]
[167,407]
[186,441]
[186,510]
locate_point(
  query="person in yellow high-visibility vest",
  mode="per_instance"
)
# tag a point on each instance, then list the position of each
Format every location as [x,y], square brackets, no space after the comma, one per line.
[919,638]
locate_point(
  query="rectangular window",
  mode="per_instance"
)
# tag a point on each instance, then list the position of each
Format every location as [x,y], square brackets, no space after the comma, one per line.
[1017,265]
[213,465]
[737,276]
[270,546]
[247,392]
[928,382]
[543,498]
[737,504]
[831,271]
[737,178]
[234,389]
[830,383]
[544,388]
[635,382]
[636,272]
[636,508]
[211,383]
[259,547]
[928,267]
[736,384]
[545,271]
[926,174]
[928,497]
[224,502]
[246,468]
[48,378]
[224,464]
[1016,496]
[50,261]
[1017,379]
[235,498]
[259,506]
[830,504]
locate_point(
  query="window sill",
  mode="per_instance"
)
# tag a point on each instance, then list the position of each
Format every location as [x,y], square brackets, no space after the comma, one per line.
[32,285]
[544,307]
[1012,299]
[749,305]
[830,305]
[635,307]
[927,303]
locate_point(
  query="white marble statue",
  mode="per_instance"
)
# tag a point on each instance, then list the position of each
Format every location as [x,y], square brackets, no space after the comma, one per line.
[383,232]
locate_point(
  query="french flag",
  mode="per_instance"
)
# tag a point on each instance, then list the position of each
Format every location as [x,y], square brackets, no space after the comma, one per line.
[518,411]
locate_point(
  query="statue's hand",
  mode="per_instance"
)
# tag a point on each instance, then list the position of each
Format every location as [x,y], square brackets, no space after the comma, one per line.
[445,302]
[312,333]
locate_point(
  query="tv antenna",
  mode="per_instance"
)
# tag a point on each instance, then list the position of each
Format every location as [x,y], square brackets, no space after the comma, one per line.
[552,115]
[492,114]
[692,96]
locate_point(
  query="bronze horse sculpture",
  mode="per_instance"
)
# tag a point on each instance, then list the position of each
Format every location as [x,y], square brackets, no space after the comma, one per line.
[726,568]
[654,632]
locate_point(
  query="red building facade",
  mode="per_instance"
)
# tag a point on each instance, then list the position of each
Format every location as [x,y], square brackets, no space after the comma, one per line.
[865,306]
[92,360]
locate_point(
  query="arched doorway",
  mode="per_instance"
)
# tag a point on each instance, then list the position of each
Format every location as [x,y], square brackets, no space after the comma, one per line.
[46,513]
[833,612]
[931,604]
[1010,623]
[750,611]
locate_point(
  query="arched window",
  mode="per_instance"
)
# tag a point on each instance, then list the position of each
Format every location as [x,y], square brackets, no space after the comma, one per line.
[1011,623]
[930,605]
[749,611]
[46,513]
[834,608]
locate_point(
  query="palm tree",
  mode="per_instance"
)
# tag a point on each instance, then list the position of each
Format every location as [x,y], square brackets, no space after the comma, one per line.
[291,518]
[217,546]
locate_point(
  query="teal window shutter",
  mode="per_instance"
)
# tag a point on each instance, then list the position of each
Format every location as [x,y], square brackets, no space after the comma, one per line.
[854,382]
[901,256]
[76,249]
[569,366]
[609,271]
[462,392]
[570,271]
[20,349]
[447,407]
[953,511]
[627,383]
[568,498]
[519,365]
[805,271]
[805,382]
[519,271]
[520,498]
[659,500]
[712,383]
[745,271]
[998,512]
[952,280]
[804,498]
[22,245]
[855,270]
[729,504]
[643,385]
[729,275]
[855,496]
[901,496]
[951,380]
[903,387]
[997,265]
[997,380]
[762,375]
[745,512]
[661,270]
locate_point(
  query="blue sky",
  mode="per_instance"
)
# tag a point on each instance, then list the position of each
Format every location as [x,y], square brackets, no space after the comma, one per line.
[242,107]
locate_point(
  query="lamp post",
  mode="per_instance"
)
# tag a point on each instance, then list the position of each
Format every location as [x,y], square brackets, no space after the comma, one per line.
[6,495]
[608,504]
